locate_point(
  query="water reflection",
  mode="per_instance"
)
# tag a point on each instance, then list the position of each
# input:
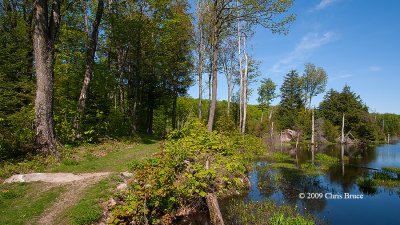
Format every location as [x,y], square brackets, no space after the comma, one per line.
[285,184]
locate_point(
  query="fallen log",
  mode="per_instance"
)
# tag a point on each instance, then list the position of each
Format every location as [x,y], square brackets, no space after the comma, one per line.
[213,207]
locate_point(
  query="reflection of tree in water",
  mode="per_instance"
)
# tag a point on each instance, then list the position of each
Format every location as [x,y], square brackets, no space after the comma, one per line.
[346,173]
[267,180]
[295,182]
[290,183]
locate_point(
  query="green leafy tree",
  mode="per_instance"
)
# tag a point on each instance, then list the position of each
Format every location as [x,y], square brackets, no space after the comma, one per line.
[314,82]
[291,91]
[357,121]
[266,93]
[291,99]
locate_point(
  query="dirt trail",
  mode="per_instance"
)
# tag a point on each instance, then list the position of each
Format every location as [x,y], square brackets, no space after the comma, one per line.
[75,185]
[53,177]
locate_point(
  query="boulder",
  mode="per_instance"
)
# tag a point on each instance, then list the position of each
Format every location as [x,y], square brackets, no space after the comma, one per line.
[288,135]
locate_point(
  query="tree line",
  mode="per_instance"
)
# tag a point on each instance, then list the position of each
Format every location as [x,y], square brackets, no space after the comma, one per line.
[80,71]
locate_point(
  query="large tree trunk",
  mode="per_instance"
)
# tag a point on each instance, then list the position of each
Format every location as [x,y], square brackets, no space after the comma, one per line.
[214,78]
[91,50]
[44,36]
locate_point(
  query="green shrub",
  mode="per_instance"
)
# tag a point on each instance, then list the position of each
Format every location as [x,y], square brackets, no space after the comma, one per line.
[192,163]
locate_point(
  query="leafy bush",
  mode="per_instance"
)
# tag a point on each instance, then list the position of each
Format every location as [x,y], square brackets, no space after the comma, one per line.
[192,163]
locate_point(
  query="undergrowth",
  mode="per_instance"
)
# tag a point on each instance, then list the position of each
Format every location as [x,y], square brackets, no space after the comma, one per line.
[192,163]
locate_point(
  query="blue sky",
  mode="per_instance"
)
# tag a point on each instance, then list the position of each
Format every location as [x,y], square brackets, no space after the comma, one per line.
[357,42]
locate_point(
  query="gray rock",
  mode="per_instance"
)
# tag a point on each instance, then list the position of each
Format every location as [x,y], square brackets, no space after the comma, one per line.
[127,174]
[122,187]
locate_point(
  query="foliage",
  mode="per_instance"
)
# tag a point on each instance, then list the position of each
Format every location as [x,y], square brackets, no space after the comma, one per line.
[193,163]
[291,91]
[357,118]
[314,81]
[266,93]
[291,100]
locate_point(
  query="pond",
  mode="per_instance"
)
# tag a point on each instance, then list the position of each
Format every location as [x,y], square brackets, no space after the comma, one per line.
[333,197]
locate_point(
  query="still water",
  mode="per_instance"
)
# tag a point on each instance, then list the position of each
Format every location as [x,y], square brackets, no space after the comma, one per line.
[378,206]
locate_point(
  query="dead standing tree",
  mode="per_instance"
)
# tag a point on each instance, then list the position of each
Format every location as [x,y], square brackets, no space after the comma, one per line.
[225,13]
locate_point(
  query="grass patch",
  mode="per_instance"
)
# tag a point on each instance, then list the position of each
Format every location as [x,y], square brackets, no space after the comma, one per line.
[114,161]
[279,157]
[266,212]
[395,170]
[89,208]
[282,165]
[387,177]
[325,161]
[367,185]
[21,203]
[106,156]
[311,169]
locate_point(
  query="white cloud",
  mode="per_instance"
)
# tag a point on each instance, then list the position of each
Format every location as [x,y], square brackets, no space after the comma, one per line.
[324,3]
[303,50]
[374,69]
[341,76]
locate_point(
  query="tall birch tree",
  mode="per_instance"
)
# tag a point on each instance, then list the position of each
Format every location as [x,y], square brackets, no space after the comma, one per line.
[270,14]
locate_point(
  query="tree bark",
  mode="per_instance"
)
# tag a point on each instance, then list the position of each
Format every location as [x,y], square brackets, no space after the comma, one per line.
[270,114]
[312,129]
[213,207]
[44,36]
[343,130]
[175,95]
[383,128]
[201,55]
[134,129]
[229,86]
[91,50]
[241,79]
[121,55]
[138,71]
[215,71]
[245,87]
[150,120]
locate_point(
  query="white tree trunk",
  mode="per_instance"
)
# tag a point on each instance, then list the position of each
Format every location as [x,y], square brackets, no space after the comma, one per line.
[245,86]
[313,130]
[343,130]
[241,78]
